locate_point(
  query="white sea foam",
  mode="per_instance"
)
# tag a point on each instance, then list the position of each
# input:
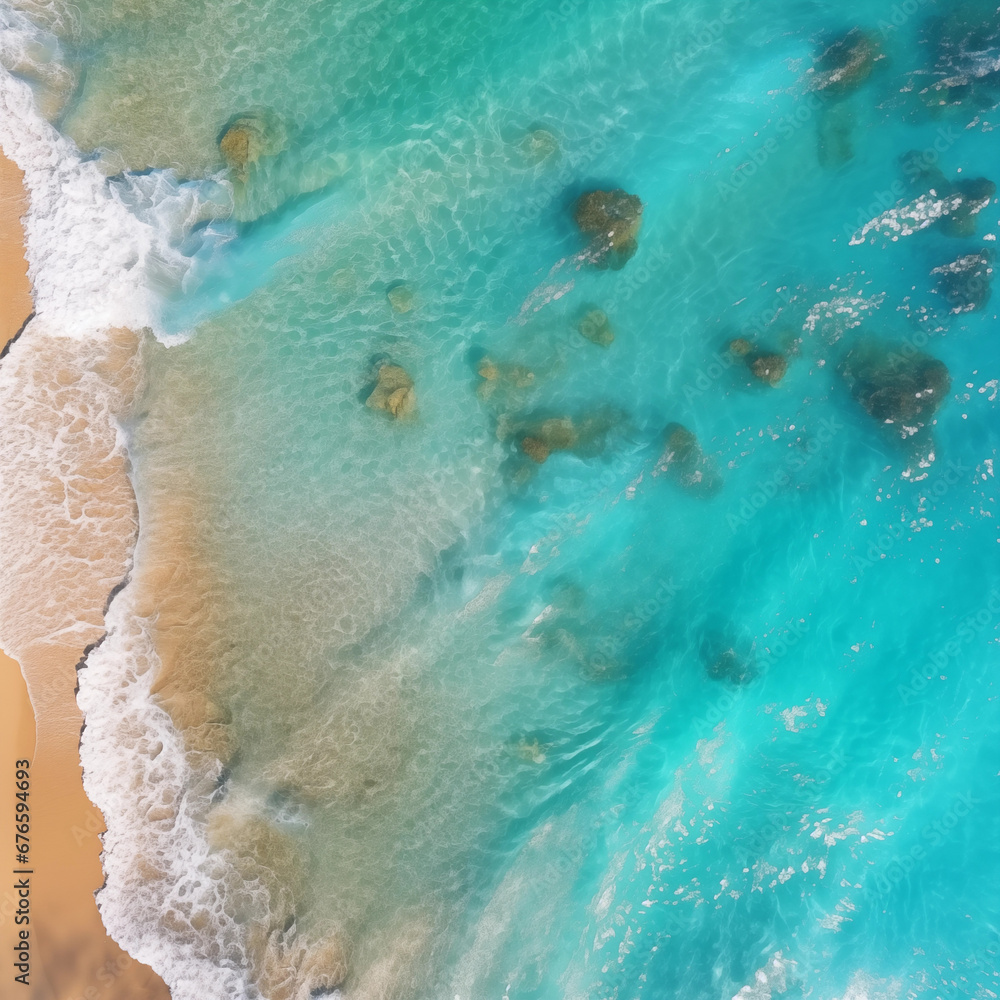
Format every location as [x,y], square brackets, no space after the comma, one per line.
[99,252]
[135,770]
[93,262]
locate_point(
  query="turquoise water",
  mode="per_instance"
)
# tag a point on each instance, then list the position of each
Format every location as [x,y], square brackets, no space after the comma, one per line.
[476,692]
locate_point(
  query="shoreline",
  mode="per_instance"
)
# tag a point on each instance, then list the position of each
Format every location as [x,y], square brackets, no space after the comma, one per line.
[51,614]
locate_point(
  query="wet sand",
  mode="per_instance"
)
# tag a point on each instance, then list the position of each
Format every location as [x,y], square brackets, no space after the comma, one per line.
[57,577]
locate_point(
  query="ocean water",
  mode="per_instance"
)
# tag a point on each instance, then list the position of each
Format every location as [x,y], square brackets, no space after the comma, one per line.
[388,708]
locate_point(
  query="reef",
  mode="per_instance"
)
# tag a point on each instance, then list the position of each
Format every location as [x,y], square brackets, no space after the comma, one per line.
[555,434]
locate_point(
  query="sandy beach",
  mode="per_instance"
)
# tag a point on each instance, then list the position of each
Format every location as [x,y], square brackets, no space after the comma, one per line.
[57,582]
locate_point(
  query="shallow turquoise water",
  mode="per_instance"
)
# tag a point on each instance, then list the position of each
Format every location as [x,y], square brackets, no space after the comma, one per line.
[495,673]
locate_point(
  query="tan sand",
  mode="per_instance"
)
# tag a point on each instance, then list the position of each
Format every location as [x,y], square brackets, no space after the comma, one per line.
[15,292]
[58,569]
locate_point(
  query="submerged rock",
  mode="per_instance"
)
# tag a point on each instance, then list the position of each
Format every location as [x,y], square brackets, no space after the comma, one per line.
[847,62]
[237,146]
[740,347]
[516,376]
[248,138]
[685,463]
[611,219]
[903,388]
[535,448]
[504,385]
[965,282]
[539,144]
[725,663]
[401,297]
[596,327]
[531,750]
[393,392]
[344,283]
[556,434]
[835,144]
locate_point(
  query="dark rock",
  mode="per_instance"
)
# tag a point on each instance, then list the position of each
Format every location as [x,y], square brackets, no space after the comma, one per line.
[769,368]
[903,388]
[611,219]
[765,365]
[728,654]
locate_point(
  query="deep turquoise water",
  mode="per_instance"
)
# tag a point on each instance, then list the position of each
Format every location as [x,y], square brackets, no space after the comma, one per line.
[475,691]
